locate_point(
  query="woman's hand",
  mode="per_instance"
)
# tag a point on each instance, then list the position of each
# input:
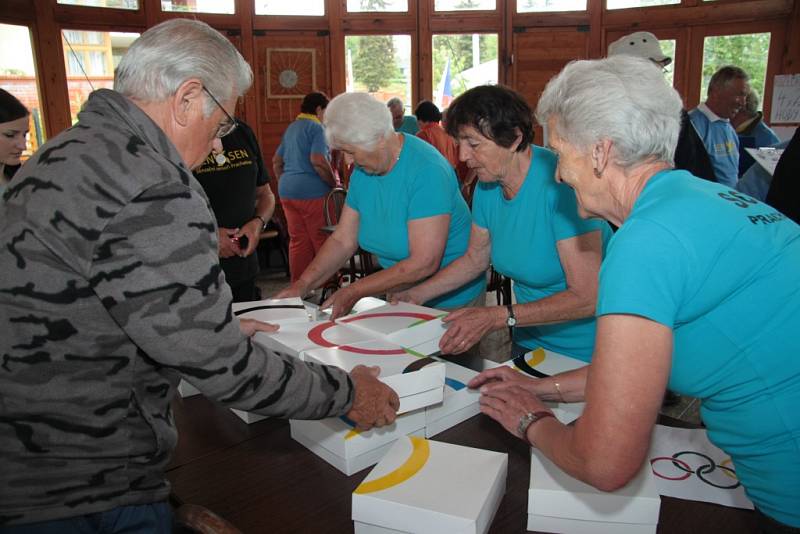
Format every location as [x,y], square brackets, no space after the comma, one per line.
[250,326]
[501,378]
[466,327]
[295,290]
[341,302]
[409,295]
[508,405]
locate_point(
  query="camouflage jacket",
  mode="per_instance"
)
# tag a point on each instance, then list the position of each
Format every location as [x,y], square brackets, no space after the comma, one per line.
[111,290]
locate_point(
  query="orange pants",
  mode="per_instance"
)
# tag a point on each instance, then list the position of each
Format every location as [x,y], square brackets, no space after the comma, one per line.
[304,219]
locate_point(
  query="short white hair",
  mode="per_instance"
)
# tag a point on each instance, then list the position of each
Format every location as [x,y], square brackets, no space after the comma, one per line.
[624,99]
[168,54]
[357,119]
[395,102]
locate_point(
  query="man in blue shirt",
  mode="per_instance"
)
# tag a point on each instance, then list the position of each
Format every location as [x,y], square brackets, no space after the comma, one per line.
[727,93]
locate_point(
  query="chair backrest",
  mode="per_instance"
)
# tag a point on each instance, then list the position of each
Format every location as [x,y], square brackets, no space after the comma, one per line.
[334,202]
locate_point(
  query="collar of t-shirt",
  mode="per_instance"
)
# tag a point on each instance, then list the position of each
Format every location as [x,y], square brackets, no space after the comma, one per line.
[308,117]
[713,117]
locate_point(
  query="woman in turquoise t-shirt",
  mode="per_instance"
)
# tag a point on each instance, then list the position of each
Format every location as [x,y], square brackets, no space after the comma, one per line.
[403,205]
[699,290]
[527,226]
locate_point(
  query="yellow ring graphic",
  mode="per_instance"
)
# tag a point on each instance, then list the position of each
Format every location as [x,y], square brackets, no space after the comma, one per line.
[419,456]
[536,358]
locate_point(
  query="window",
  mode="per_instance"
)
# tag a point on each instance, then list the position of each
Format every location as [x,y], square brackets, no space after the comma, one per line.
[462,61]
[528,6]
[120,4]
[199,6]
[379,65]
[748,51]
[312,8]
[355,6]
[622,4]
[668,47]
[464,5]
[18,77]
[91,58]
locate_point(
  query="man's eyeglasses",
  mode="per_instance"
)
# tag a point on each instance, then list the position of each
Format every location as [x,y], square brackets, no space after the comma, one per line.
[228,127]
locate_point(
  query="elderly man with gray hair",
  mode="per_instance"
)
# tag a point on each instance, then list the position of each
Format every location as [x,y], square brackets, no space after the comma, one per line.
[727,92]
[113,292]
[402,122]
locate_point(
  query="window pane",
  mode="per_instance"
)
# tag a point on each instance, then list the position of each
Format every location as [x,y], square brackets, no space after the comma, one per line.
[122,4]
[748,51]
[527,6]
[18,77]
[91,60]
[467,60]
[295,7]
[199,6]
[377,5]
[379,65]
[463,5]
[668,47]
[621,4]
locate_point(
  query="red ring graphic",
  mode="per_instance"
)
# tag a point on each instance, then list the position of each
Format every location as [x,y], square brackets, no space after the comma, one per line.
[315,334]
[684,476]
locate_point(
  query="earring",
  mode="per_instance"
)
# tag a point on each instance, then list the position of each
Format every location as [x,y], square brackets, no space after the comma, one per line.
[597,172]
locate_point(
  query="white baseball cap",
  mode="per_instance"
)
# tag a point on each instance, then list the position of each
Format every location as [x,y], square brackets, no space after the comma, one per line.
[640,44]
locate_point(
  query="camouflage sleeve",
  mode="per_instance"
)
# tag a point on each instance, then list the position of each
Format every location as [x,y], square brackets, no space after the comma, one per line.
[157,273]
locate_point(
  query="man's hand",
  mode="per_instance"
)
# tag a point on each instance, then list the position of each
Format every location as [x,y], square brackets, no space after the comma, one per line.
[227,245]
[342,302]
[250,326]
[252,229]
[375,404]
[466,327]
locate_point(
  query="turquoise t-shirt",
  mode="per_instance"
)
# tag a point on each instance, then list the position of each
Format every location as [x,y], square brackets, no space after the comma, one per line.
[299,180]
[421,184]
[723,271]
[524,232]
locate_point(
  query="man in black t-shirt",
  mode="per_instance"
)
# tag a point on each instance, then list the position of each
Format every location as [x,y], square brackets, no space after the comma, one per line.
[237,187]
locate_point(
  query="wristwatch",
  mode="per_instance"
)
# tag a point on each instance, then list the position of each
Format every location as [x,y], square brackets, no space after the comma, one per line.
[263,222]
[512,319]
[528,419]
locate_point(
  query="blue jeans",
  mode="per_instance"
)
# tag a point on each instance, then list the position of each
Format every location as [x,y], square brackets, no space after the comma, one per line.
[153,518]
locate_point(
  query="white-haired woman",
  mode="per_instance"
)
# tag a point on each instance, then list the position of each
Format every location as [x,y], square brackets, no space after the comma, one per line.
[403,205]
[698,290]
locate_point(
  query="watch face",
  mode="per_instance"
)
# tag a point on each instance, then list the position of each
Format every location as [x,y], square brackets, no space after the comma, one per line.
[511,321]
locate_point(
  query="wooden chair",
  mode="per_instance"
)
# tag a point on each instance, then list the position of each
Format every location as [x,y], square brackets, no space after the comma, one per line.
[275,237]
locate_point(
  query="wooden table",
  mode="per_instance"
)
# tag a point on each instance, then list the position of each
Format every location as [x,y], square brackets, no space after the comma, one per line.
[262,481]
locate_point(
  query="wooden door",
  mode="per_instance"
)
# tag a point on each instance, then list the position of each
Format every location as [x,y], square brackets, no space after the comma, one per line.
[288,66]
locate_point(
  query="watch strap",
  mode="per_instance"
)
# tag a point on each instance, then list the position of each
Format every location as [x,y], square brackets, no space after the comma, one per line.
[526,420]
[512,319]
[263,222]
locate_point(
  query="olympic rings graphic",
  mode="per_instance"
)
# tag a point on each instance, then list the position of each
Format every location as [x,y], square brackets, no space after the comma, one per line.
[316,333]
[701,471]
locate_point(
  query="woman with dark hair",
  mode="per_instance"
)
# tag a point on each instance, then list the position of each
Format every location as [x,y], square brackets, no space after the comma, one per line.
[527,226]
[302,167]
[13,135]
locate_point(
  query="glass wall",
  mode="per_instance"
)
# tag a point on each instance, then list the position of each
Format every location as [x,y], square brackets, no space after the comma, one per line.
[531,6]
[463,5]
[90,59]
[199,6]
[622,4]
[461,61]
[307,8]
[355,6]
[119,4]
[379,65]
[18,77]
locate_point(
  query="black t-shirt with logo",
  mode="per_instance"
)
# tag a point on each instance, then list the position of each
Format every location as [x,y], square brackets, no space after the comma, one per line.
[231,189]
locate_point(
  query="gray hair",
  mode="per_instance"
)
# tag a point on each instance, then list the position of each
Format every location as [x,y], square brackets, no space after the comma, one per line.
[357,119]
[751,103]
[168,54]
[726,75]
[624,99]
[395,102]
